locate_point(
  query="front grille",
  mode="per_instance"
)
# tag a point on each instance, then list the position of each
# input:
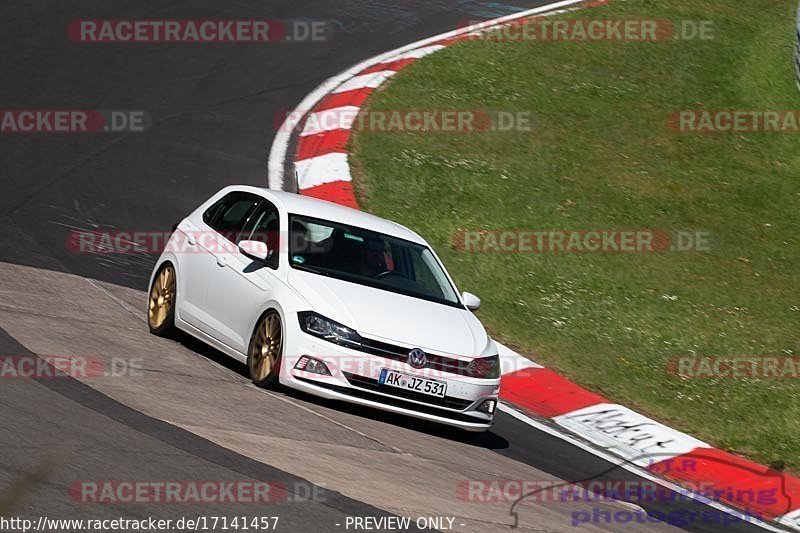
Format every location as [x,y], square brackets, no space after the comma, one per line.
[373,385]
[398,353]
[397,402]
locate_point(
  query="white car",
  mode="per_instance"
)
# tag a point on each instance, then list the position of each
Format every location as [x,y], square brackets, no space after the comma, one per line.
[328,300]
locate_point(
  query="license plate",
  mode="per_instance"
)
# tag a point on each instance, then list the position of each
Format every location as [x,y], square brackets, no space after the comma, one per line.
[430,387]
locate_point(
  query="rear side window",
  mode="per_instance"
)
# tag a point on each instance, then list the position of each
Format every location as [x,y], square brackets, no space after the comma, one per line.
[230,213]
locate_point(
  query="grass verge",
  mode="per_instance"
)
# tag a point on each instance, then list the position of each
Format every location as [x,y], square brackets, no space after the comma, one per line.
[601,156]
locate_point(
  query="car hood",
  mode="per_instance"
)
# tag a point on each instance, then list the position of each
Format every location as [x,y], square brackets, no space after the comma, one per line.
[392,317]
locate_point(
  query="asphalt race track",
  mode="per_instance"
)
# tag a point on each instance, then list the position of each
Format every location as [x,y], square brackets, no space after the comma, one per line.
[187,412]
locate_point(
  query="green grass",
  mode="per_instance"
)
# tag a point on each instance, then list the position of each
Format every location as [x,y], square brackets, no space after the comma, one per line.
[602,157]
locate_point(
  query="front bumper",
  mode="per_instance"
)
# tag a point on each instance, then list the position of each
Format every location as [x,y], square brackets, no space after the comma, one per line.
[354,378]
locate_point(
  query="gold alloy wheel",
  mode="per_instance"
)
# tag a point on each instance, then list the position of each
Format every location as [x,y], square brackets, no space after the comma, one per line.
[162,295]
[266,347]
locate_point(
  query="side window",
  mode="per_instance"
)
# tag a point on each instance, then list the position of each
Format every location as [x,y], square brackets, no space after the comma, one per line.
[264,226]
[229,215]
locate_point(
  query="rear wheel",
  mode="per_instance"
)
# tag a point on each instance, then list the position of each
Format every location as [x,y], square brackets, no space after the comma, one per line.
[161,303]
[266,346]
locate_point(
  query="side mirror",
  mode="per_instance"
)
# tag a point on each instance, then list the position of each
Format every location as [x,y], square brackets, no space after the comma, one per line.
[472,302]
[254,250]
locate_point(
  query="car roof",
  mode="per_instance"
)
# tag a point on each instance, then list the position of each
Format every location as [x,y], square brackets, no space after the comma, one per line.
[313,207]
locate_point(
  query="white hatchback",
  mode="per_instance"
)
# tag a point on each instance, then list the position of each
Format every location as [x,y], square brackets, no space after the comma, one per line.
[328,300]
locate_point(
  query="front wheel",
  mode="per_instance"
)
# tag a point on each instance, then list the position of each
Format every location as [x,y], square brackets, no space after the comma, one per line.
[161,302]
[264,353]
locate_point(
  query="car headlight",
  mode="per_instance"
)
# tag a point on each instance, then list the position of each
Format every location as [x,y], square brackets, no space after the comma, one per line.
[484,367]
[325,328]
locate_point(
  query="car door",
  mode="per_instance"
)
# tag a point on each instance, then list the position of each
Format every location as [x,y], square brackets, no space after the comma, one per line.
[191,275]
[203,266]
[248,283]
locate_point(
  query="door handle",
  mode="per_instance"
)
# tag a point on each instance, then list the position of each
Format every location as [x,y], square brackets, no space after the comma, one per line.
[190,239]
[221,261]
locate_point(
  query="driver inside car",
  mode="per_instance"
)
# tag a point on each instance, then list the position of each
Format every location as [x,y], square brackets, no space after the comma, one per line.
[373,260]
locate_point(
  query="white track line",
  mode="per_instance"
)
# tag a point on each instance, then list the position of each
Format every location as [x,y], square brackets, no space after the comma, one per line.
[420,52]
[336,118]
[671,442]
[322,169]
[365,81]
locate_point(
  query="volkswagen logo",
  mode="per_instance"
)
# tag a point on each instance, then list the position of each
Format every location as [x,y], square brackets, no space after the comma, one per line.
[417,358]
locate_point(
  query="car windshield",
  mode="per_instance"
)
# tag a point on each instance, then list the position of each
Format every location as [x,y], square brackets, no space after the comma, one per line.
[368,258]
